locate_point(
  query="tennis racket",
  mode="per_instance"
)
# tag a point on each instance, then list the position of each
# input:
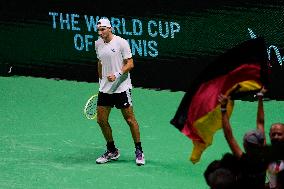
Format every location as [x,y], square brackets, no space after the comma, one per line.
[90,109]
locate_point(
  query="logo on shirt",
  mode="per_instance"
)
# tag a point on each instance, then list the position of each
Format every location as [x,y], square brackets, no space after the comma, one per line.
[113,50]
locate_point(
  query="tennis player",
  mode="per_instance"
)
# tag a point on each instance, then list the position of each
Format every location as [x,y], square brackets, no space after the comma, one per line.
[114,63]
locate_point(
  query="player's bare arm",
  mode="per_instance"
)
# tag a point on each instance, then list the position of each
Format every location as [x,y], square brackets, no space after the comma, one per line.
[100,69]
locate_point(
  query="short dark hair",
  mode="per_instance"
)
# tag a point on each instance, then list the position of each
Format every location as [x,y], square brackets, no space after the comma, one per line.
[222,178]
[216,164]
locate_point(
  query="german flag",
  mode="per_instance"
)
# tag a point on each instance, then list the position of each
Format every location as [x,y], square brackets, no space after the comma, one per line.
[239,72]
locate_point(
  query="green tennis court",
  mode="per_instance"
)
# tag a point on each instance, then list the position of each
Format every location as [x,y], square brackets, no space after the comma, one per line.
[46,142]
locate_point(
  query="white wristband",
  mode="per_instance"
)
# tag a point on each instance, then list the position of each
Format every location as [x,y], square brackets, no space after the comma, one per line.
[117,74]
[259,94]
[223,109]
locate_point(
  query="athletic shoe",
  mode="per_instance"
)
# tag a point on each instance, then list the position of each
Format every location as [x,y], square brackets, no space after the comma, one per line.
[108,156]
[140,160]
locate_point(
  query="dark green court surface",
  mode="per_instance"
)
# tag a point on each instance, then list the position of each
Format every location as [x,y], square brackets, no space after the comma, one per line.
[46,142]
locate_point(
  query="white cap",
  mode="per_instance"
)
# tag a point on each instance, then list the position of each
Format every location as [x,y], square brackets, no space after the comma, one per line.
[104,22]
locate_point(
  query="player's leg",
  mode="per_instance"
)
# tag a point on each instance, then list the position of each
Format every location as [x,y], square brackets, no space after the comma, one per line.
[124,102]
[102,119]
[103,112]
[129,116]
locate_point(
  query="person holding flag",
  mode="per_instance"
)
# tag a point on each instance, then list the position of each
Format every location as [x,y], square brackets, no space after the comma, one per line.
[241,71]
[253,166]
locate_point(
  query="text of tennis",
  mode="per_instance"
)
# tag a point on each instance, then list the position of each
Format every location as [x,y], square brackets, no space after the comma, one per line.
[132,28]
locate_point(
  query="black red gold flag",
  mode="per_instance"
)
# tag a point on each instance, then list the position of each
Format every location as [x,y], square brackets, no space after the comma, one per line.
[239,71]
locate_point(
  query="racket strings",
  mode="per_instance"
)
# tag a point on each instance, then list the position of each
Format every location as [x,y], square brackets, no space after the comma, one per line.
[91,108]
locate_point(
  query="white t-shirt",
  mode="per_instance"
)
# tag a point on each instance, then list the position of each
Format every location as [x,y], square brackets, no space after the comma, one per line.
[111,55]
[272,172]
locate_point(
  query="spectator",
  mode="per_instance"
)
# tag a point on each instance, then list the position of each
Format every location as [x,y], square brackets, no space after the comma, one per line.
[252,166]
[276,135]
